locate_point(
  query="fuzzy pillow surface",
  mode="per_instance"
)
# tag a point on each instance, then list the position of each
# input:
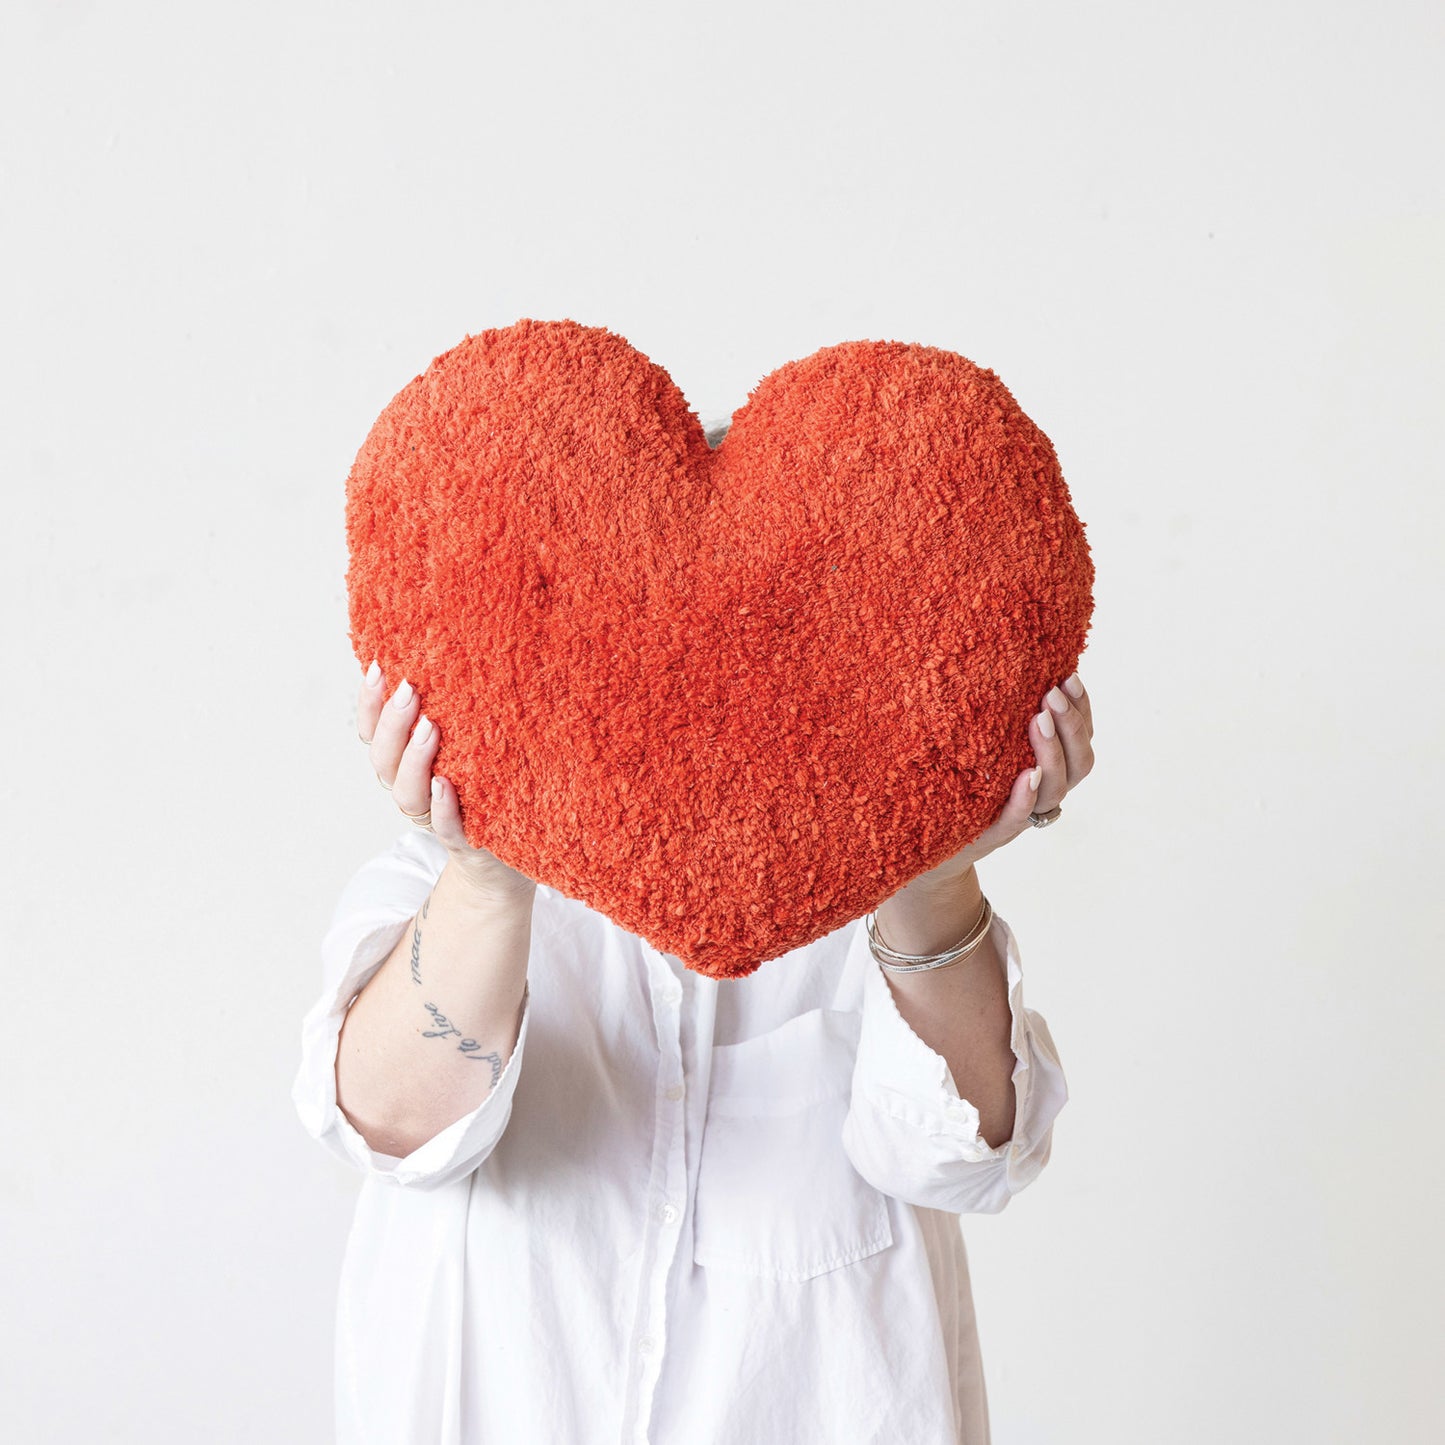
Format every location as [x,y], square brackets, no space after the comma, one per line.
[731,698]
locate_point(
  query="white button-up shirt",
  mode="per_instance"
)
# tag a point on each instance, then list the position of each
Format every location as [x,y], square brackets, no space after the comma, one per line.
[692,1211]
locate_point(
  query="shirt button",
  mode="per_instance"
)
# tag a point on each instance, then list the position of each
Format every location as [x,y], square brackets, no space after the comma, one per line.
[647,1344]
[668,1213]
[674,1093]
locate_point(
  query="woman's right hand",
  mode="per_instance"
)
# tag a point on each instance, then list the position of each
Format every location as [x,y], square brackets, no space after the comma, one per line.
[403,746]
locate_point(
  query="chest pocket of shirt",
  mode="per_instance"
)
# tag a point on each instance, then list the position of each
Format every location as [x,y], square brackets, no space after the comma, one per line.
[777,1197]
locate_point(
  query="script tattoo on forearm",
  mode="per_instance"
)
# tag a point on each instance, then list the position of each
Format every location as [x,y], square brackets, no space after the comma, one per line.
[470,1047]
[444,1026]
[416,944]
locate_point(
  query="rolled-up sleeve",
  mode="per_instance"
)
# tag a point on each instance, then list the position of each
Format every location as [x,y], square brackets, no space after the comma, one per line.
[376,907]
[908,1131]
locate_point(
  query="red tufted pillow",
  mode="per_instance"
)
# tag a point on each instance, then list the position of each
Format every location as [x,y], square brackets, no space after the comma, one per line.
[732,699]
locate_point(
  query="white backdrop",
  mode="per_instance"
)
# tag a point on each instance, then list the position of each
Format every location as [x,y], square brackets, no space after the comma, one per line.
[1201,245]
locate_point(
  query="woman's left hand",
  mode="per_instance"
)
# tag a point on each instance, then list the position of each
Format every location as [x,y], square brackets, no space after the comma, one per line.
[1063,747]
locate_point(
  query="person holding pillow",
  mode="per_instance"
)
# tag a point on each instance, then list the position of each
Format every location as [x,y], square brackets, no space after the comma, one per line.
[609,1198]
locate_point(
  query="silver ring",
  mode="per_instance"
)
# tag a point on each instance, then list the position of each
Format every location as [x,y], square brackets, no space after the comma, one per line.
[1042,820]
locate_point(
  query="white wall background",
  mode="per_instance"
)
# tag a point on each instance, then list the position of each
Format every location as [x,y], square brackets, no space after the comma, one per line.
[1202,245]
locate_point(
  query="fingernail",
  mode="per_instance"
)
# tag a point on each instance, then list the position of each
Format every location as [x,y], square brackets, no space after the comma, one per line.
[1056,700]
[1046,724]
[422,731]
[438,787]
[373,673]
[1073,686]
[1034,779]
[402,696]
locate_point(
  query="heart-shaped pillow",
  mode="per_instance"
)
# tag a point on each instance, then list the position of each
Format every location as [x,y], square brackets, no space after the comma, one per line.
[731,698]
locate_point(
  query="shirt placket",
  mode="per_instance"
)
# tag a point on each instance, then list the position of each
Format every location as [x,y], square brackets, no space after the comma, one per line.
[666,1192]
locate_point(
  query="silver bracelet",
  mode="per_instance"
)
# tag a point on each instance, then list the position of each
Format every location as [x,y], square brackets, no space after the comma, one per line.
[894,962]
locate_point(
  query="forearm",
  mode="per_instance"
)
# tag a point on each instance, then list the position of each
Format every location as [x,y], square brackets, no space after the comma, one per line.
[961,1010]
[425,1041]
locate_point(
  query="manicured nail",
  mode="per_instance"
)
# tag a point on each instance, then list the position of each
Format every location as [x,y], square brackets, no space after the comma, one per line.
[1034,778]
[1046,724]
[1073,686]
[1057,701]
[422,731]
[402,696]
[438,787]
[373,673]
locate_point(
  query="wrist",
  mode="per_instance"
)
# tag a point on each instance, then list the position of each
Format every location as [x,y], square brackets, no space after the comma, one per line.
[931,914]
[493,897]
[935,888]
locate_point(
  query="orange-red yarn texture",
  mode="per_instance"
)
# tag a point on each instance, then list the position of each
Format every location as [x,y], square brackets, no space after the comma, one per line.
[732,699]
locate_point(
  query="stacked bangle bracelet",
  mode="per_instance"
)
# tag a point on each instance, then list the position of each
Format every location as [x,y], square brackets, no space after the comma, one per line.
[894,962]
